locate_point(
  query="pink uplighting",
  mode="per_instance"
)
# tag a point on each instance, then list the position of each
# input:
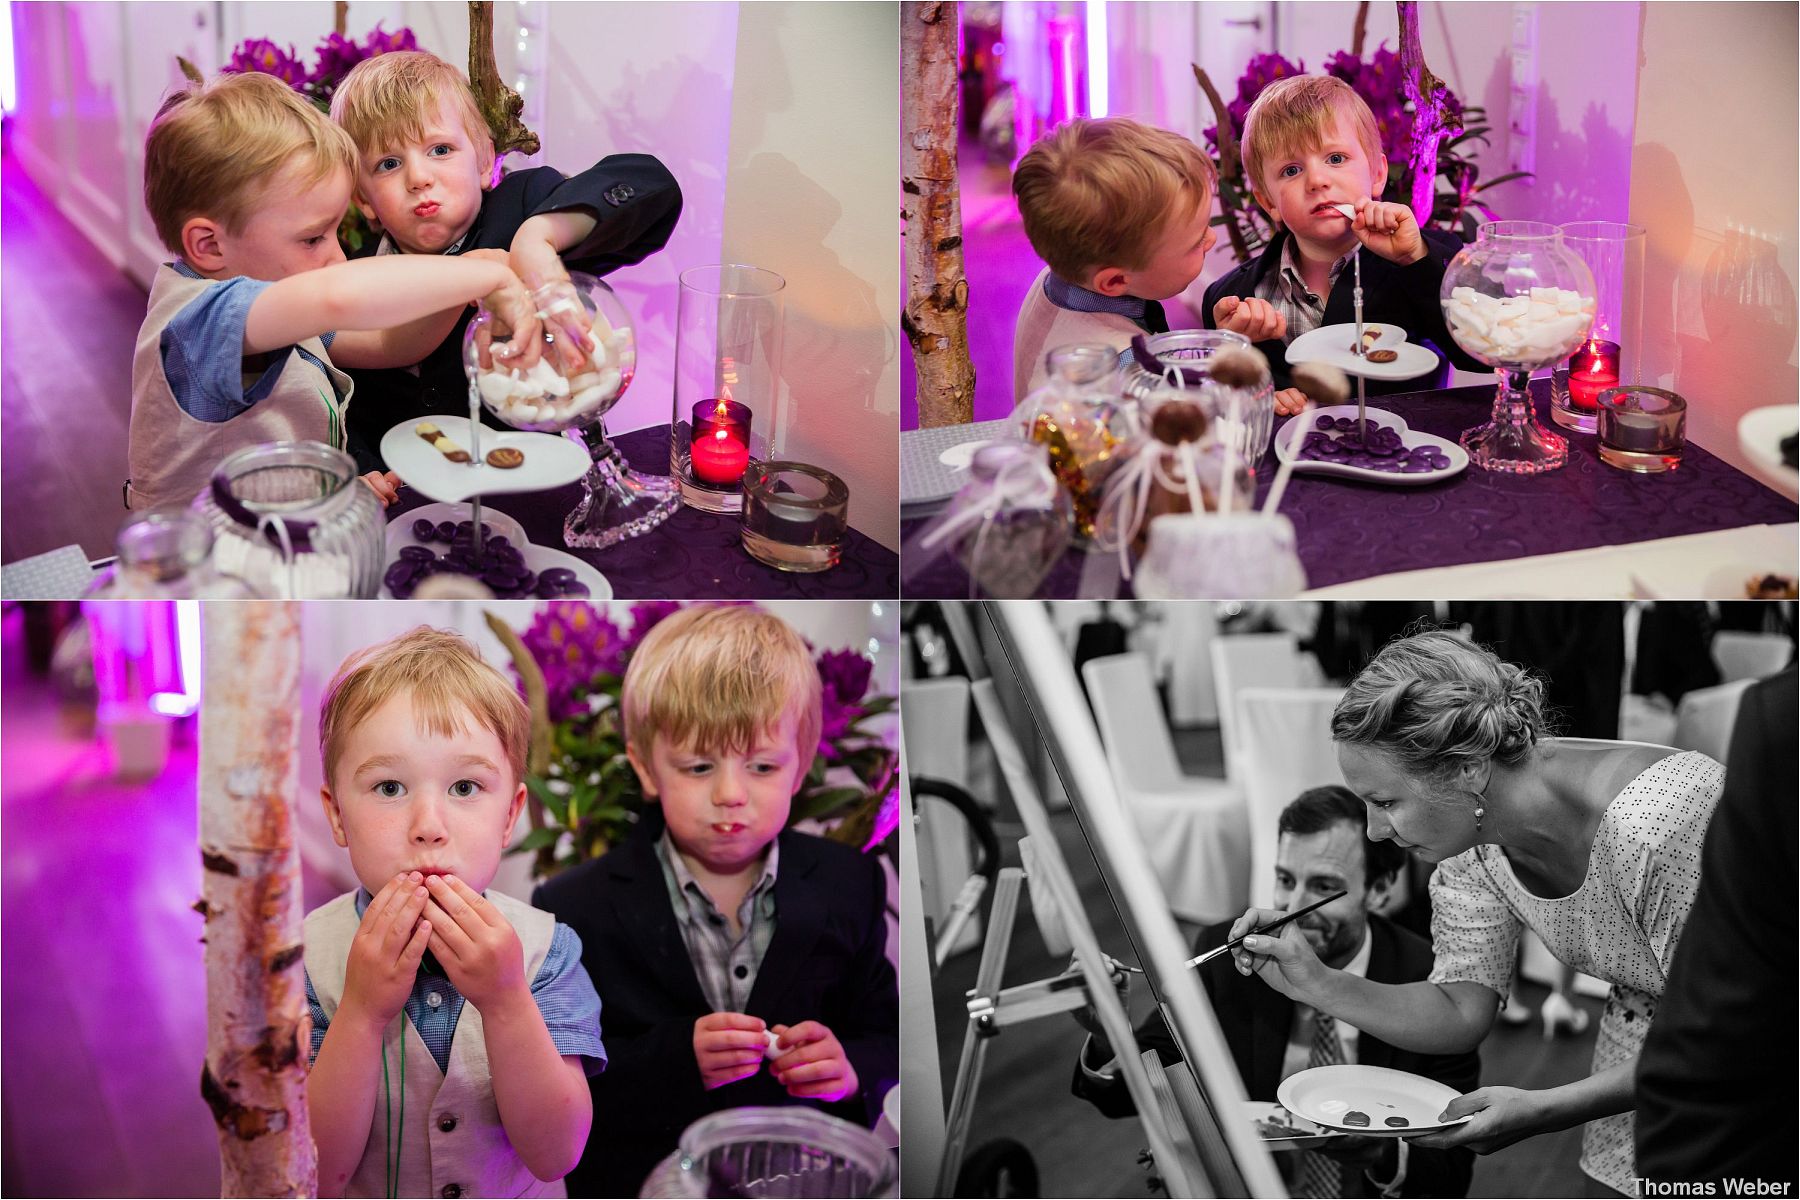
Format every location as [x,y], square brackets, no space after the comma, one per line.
[146,654]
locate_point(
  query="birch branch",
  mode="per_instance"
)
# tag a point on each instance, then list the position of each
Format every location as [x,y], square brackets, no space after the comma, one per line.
[936,317]
[258,1029]
[500,106]
[1426,91]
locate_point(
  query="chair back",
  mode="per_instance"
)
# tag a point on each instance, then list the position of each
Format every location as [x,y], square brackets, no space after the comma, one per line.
[1286,749]
[1266,660]
[1705,717]
[1743,655]
[935,734]
[1130,717]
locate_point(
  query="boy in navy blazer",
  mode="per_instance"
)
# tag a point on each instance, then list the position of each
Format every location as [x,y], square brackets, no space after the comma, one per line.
[738,962]
[425,177]
[1311,150]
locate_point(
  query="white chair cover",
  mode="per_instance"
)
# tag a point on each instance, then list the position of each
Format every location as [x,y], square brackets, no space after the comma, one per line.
[1286,739]
[1194,829]
[1269,660]
[935,730]
[1742,655]
[1184,656]
[1704,718]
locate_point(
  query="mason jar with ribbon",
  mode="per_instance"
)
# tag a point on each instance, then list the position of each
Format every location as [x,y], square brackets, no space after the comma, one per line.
[1007,526]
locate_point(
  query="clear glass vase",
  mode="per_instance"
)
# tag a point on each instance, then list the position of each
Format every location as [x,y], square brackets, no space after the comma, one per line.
[1517,299]
[775,1152]
[1611,355]
[728,328]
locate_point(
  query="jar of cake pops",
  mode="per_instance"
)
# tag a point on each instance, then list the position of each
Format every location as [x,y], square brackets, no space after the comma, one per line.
[1078,419]
[1517,299]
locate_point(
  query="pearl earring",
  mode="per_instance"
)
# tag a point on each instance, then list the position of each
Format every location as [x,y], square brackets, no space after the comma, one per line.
[1480,812]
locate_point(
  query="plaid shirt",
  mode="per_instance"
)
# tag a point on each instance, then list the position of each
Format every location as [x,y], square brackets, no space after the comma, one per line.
[725,966]
[1284,289]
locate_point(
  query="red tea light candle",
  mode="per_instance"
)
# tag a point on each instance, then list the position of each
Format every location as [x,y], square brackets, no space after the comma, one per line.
[1592,369]
[720,447]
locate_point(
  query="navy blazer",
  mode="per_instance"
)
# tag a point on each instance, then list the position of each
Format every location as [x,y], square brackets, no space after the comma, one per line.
[1406,296]
[1257,1021]
[827,962]
[635,203]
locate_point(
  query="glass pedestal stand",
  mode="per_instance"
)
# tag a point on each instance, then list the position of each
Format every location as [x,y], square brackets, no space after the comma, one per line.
[1513,442]
[616,502]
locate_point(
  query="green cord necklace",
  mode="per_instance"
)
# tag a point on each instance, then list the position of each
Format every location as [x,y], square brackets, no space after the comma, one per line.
[390,1174]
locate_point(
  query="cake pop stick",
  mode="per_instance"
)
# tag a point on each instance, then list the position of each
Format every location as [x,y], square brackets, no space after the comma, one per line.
[1322,384]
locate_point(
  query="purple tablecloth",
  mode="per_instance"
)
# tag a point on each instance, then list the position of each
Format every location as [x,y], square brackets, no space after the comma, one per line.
[693,555]
[1350,530]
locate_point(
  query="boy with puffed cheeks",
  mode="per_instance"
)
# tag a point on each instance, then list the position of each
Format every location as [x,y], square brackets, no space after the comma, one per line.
[716,929]
[424,747]
[425,180]
[247,329]
[1121,214]
[1310,144]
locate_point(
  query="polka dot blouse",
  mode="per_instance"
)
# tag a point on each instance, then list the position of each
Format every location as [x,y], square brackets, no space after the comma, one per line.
[1621,925]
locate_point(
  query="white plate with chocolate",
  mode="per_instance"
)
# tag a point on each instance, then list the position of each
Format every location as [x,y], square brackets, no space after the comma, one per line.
[1327,441]
[1389,355]
[1372,1101]
[436,456]
[1280,1129]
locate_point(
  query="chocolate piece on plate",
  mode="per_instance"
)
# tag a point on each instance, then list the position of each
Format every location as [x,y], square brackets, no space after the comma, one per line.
[1383,356]
[506,458]
[1358,1119]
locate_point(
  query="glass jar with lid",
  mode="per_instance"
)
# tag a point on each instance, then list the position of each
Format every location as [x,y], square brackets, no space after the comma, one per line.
[1078,418]
[293,521]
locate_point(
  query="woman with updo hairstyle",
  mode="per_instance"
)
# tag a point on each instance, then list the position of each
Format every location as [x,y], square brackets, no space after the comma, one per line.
[1592,845]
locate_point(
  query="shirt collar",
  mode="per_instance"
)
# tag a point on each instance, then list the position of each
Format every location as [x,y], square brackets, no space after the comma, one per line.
[1290,265]
[684,878]
[387,246]
[1359,963]
[1075,298]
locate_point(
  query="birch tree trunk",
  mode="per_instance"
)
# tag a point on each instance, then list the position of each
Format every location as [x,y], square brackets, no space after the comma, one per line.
[500,105]
[1426,91]
[937,293]
[257,1026]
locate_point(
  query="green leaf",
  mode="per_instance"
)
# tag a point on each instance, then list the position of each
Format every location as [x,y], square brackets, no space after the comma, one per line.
[536,840]
[823,802]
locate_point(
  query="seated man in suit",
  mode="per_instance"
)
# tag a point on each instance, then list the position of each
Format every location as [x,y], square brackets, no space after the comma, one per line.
[1323,849]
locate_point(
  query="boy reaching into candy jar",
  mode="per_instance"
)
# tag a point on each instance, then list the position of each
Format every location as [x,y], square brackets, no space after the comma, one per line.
[425,177]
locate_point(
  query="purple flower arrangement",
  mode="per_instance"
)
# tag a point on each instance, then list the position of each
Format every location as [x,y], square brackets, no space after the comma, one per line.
[334,56]
[583,787]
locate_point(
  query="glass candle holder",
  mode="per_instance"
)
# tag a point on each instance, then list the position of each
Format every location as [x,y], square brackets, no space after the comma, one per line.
[727,382]
[1614,253]
[794,516]
[1642,429]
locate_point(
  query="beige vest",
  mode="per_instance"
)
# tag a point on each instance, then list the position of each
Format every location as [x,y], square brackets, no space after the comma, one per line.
[1042,327]
[452,1143]
[172,455]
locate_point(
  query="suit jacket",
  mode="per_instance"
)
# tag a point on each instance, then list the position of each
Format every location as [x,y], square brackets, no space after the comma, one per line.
[826,962]
[1723,1040]
[1257,1022]
[635,203]
[1406,295]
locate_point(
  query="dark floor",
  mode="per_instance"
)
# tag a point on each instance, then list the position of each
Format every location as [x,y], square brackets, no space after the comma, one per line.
[1024,1087]
[68,323]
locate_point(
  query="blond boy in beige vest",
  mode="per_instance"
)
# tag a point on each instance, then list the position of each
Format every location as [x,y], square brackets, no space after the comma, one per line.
[1121,214]
[453,1026]
[247,328]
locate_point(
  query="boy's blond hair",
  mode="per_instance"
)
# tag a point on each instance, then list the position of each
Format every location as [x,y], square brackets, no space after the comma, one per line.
[214,148]
[714,678]
[389,98]
[448,682]
[1291,116]
[1102,192]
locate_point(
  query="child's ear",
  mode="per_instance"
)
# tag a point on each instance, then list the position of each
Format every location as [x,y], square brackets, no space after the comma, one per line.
[335,817]
[646,780]
[1379,178]
[366,209]
[200,244]
[1263,203]
[512,815]
[1110,281]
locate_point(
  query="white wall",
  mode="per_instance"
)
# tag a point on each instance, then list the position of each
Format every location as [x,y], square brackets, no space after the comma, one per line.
[1715,148]
[812,193]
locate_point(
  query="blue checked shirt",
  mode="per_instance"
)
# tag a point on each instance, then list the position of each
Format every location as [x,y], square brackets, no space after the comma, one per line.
[565,997]
[203,351]
[1145,314]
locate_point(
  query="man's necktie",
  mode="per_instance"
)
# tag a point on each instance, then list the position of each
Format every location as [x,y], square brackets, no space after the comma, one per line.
[1319,1175]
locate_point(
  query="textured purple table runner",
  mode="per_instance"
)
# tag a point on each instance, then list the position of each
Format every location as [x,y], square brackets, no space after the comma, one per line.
[1351,530]
[693,555]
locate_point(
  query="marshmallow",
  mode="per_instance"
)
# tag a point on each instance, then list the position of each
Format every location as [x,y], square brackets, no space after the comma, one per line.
[1539,326]
[773,1050]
